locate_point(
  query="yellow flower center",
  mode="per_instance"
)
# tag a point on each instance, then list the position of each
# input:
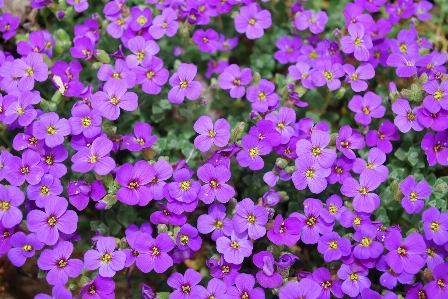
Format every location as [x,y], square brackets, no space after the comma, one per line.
[234,245]
[401,251]
[435,226]
[251,218]
[313,55]
[114,100]
[328,75]
[164,25]
[370,165]
[86,53]
[5,205]
[86,121]
[262,96]
[357,221]
[205,40]
[358,41]
[120,22]
[309,173]
[354,276]
[440,283]
[52,221]
[183,84]
[363,190]
[62,263]
[133,185]
[49,159]
[24,170]
[140,55]
[150,74]
[431,252]
[20,111]
[334,245]
[142,20]
[184,239]
[44,190]
[29,72]
[253,151]
[403,48]
[410,116]
[245,295]
[365,110]
[218,224]
[252,21]
[326,284]
[214,184]
[106,258]
[155,251]
[311,221]
[212,133]
[51,130]
[281,125]
[333,209]
[366,242]
[186,289]
[185,185]
[438,95]
[92,290]
[316,151]
[413,196]
[354,77]
[225,269]
[27,247]
[93,159]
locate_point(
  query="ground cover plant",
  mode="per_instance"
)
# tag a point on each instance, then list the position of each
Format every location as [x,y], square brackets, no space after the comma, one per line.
[226,149]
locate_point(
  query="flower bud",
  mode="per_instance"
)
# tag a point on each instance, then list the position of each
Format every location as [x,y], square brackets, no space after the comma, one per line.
[283,196]
[100,206]
[102,56]
[44,105]
[333,138]
[281,163]
[340,93]
[56,98]
[256,78]
[290,169]
[52,107]
[337,34]
[237,133]
[60,14]
[109,200]
[162,228]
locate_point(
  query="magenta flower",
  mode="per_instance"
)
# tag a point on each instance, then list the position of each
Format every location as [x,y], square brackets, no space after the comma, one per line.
[357,43]
[163,172]
[363,200]
[235,248]
[58,263]
[315,149]
[85,121]
[271,177]
[328,285]
[10,200]
[367,248]
[262,96]
[333,247]
[347,140]
[437,97]
[406,65]
[151,75]
[45,189]
[134,182]
[98,288]
[188,238]
[356,77]
[167,216]
[310,173]
[285,232]
[374,164]
[381,138]
[406,117]
[96,158]
[183,84]
[141,139]
[112,98]
[185,285]
[305,288]
[215,179]
[164,24]
[366,107]
[8,25]
[233,79]
[435,225]
[250,218]
[29,69]
[51,128]
[218,134]
[283,122]
[340,170]
[253,148]
[105,257]
[244,286]
[83,48]
[25,247]
[142,51]
[405,255]
[252,21]
[327,73]
[153,253]
[121,73]
[183,187]
[215,221]
[414,194]
[26,169]
[141,18]
[301,71]
[308,20]
[355,279]
[207,41]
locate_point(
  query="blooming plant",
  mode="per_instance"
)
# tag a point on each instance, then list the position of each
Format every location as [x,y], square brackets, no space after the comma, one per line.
[225,149]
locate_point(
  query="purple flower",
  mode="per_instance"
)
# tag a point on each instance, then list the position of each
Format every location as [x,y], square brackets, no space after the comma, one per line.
[153,253]
[83,48]
[215,187]
[8,25]
[434,147]
[244,287]
[218,134]
[85,121]
[79,193]
[142,138]
[406,117]
[215,288]
[367,248]
[98,288]
[289,49]
[271,177]
[216,67]
[404,44]
[315,22]
[389,278]
[252,21]
[374,164]
[140,18]
[166,216]
[363,200]
[36,44]
[314,225]
[151,75]
[143,51]
[283,122]
[405,64]
[250,218]
[194,17]
[79,5]
[262,96]
[164,24]
[134,182]
[367,107]
[95,158]
[188,238]
[59,291]
[233,79]
[58,263]
[353,15]
[207,41]
[163,172]
[29,69]
[185,285]
[121,72]
[437,97]
[323,277]
[310,173]
[437,288]
[112,98]
[357,43]
[285,232]
[5,239]
[25,246]
[405,255]
[10,200]
[183,188]
[381,138]
[355,279]
[421,10]
[117,25]
[414,194]
[301,71]
[333,247]
[306,289]
[235,248]
[327,73]
[215,221]
[52,129]
[435,225]
[253,148]
[356,77]
[435,121]
[183,84]
[26,169]
[315,149]
[45,189]
[347,140]
[105,258]
[51,161]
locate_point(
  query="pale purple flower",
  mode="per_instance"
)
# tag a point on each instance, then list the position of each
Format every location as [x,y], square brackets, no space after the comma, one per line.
[308,20]
[235,248]
[367,107]
[96,158]
[25,247]
[357,43]
[164,24]
[252,21]
[217,134]
[207,41]
[327,73]
[262,96]
[316,149]
[233,79]
[381,138]
[183,84]
[142,51]
[406,116]
[215,221]
[250,219]
[333,247]
[51,128]
[105,257]
[301,71]
[11,199]
[29,69]
[356,77]
[405,255]
[283,122]
[363,199]
[374,164]
[355,279]
[253,148]
[215,179]
[310,173]
[414,194]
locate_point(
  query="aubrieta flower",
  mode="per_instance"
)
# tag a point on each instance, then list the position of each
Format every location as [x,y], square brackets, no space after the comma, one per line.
[207,41]
[218,134]
[186,285]
[404,44]
[250,218]
[58,263]
[141,18]
[105,257]
[183,187]
[357,43]
[368,247]
[5,238]
[85,121]
[26,169]
[10,200]
[216,67]
[121,73]
[163,172]
[83,48]
[29,69]
[301,72]
[25,247]
[113,97]
[405,255]
[328,285]
[164,24]
[374,164]
[151,75]
[215,289]
[153,253]
[98,288]
[58,291]
[188,238]
[285,232]
[141,139]
[262,96]
[414,194]
[363,199]
[253,148]
[435,225]
[437,97]
[435,148]
[315,149]
[389,278]
[327,73]
[356,77]
[406,116]
[353,15]
[283,122]
[244,287]
[308,20]
[52,129]
[405,64]
[215,179]
[183,84]
[252,21]
[306,288]
[142,51]
[8,25]
[367,107]
[434,255]
[78,5]
[96,158]
[271,177]
[45,189]
[333,247]
[134,180]
[381,138]
[233,79]
[310,173]
[235,248]
[51,161]
[288,49]
[166,216]
[215,221]
[435,121]
[355,279]
[347,140]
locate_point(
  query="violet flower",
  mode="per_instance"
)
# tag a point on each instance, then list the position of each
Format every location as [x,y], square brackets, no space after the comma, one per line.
[367,107]
[218,134]
[26,169]
[250,218]
[405,255]
[235,248]
[262,96]
[355,279]
[414,194]
[134,180]
[164,24]
[215,221]
[29,69]
[316,149]
[283,122]
[363,200]
[215,187]
[356,77]
[435,225]
[357,43]
[333,247]
[142,51]
[105,257]
[252,21]
[207,41]
[52,129]
[98,288]
[437,97]
[314,22]
[327,73]
[253,148]
[10,201]
[285,232]
[406,117]
[233,79]
[310,173]
[141,139]
[25,247]
[186,285]
[183,84]
[95,158]
[306,288]
[374,164]
[153,253]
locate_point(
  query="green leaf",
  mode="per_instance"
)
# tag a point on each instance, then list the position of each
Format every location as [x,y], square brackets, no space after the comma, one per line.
[186,147]
[163,295]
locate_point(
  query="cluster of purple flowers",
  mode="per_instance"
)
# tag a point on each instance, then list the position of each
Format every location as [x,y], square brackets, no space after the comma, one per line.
[311,155]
